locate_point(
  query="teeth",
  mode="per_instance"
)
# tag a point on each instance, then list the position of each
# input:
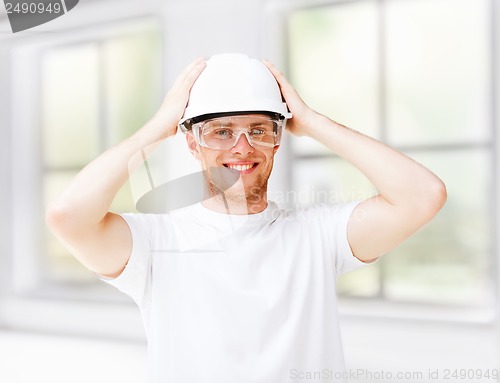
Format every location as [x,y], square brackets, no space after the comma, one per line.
[240,168]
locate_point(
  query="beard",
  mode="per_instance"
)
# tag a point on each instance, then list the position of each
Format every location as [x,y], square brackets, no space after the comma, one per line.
[248,191]
[231,188]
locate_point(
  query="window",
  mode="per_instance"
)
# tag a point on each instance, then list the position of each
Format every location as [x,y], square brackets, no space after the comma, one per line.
[92,93]
[416,75]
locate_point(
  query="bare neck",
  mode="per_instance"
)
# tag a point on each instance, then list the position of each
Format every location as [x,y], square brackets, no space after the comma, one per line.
[240,205]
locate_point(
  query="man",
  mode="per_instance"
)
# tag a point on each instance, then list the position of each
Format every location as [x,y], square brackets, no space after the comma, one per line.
[233,289]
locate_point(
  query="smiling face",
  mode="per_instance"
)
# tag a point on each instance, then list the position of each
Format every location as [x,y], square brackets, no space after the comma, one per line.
[253,164]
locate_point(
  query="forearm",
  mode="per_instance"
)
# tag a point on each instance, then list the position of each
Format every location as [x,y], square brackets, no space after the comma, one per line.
[400,180]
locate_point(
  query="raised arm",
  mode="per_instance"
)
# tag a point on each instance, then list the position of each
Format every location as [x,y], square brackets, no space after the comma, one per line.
[409,194]
[80,216]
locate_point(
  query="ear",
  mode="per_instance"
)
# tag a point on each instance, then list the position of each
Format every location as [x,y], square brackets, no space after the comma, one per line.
[193,146]
[276,149]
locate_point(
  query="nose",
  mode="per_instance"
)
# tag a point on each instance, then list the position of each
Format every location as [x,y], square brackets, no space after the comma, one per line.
[242,145]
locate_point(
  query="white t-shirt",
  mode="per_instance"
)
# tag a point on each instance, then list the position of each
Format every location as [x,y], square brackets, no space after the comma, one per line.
[240,298]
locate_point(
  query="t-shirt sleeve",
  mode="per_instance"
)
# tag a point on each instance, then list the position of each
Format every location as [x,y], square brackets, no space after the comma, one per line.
[336,218]
[135,279]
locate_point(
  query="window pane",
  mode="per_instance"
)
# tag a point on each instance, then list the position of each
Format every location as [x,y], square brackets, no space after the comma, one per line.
[133,91]
[132,81]
[436,60]
[437,71]
[450,260]
[364,282]
[123,201]
[333,181]
[333,65]
[70,105]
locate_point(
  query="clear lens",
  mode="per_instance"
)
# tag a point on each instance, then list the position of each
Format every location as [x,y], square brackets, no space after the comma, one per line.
[223,133]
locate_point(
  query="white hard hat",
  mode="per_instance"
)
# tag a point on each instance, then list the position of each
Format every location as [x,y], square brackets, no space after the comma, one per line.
[233,83]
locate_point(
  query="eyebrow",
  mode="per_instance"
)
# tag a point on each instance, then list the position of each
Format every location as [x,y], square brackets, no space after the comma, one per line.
[261,123]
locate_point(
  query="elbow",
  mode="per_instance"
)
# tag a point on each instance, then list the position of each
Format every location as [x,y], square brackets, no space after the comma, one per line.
[57,217]
[53,216]
[435,199]
[439,194]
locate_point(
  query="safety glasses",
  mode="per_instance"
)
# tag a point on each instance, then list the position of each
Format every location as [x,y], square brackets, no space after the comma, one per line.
[223,133]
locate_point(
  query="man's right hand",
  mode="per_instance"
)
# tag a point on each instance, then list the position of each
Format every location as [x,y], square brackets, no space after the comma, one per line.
[175,102]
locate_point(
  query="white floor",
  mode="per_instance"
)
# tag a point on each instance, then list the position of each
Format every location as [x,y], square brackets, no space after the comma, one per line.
[32,358]
[406,351]
[373,347]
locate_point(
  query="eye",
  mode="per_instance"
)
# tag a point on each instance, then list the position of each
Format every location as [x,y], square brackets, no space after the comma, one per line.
[223,133]
[257,132]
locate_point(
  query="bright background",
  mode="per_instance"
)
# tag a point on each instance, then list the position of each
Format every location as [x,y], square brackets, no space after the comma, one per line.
[420,75]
